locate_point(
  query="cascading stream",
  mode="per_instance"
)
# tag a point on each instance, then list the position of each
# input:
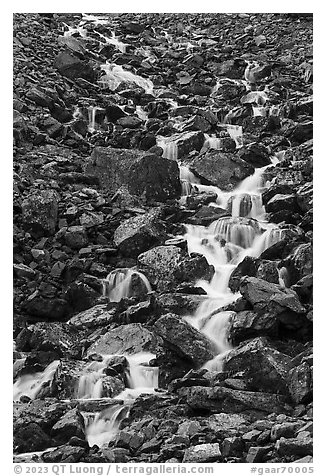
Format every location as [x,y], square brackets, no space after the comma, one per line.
[141,378]
[225,243]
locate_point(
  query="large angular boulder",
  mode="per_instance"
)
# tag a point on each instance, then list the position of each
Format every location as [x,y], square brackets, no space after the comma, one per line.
[40,213]
[204,453]
[70,424]
[184,339]
[227,400]
[183,143]
[272,299]
[96,316]
[129,339]
[265,368]
[149,176]
[255,154]
[139,233]
[247,324]
[73,67]
[224,170]
[167,266]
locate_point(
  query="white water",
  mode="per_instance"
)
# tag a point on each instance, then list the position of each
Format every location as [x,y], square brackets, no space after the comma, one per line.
[103,426]
[30,385]
[115,42]
[225,243]
[115,75]
[118,283]
[169,146]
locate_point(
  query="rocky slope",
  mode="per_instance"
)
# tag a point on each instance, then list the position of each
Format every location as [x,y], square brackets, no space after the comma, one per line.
[93,193]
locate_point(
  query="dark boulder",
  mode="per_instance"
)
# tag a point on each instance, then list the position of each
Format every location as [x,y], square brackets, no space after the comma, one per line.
[40,213]
[255,154]
[72,67]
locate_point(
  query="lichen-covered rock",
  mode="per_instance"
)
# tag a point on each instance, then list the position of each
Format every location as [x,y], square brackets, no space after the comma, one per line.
[204,453]
[40,213]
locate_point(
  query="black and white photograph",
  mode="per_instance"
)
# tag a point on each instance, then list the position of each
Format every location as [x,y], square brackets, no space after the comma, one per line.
[162,240]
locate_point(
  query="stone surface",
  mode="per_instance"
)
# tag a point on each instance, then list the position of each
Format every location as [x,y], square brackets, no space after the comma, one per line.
[40,213]
[205,453]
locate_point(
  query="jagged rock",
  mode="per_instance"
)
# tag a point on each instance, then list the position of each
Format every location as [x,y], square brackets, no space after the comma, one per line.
[150,176]
[282,202]
[130,122]
[247,324]
[70,424]
[184,339]
[232,446]
[55,337]
[265,367]
[40,97]
[247,267]
[41,308]
[30,437]
[256,454]
[129,339]
[255,154]
[221,169]
[272,299]
[72,67]
[221,399]
[205,453]
[23,271]
[139,233]
[286,430]
[303,259]
[95,316]
[167,266]
[64,454]
[40,213]
[76,237]
[305,197]
[300,383]
[294,446]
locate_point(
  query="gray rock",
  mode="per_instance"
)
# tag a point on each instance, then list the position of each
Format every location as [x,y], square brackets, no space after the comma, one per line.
[139,233]
[70,424]
[129,339]
[220,399]
[167,266]
[300,383]
[76,237]
[205,453]
[23,271]
[72,67]
[294,446]
[95,316]
[221,169]
[184,339]
[265,367]
[256,454]
[40,213]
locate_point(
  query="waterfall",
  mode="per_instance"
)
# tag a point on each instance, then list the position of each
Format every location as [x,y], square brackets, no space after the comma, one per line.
[235,133]
[188,179]
[122,47]
[211,142]
[169,146]
[91,118]
[30,385]
[224,244]
[115,75]
[141,378]
[118,284]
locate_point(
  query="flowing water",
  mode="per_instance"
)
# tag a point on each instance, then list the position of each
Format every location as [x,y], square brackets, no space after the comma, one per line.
[115,75]
[225,243]
[31,385]
[102,427]
[119,284]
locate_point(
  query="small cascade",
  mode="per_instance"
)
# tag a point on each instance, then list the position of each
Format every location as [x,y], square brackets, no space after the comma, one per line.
[283,277]
[188,179]
[259,111]
[119,284]
[169,146]
[211,142]
[236,230]
[102,427]
[235,133]
[31,385]
[141,378]
[141,113]
[92,118]
[72,31]
[122,47]
[115,75]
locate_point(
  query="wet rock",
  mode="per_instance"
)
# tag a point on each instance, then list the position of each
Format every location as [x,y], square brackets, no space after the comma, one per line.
[303,259]
[40,213]
[167,266]
[221,169]
[184,339]
[274,300]
[247,324]
[305,197]
[282,202]
[247,267]
[265,367]
[129,339]
[138,234]
[70,424]
[64,454]
[205,453]
[255,154]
